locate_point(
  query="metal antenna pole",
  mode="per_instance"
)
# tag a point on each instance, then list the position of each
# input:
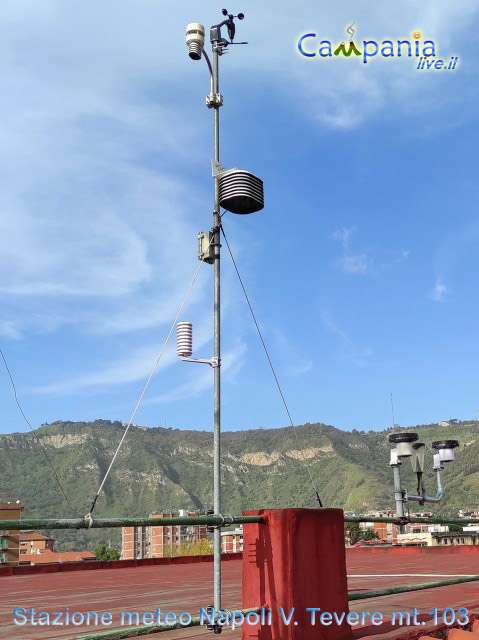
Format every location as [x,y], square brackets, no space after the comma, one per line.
[246,197]
[217,346]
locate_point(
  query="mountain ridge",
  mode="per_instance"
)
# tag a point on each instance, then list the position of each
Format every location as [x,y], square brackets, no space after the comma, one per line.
[162,469]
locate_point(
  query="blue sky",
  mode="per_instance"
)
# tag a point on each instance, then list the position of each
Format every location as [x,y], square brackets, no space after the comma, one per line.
[362,267]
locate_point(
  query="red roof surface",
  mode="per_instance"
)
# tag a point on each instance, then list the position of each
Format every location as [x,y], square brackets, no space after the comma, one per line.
[48,557]
[26,536]
[187,587]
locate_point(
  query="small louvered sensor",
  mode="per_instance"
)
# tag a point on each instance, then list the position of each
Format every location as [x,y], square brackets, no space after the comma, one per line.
[184,345]
[184,339]
[240,191]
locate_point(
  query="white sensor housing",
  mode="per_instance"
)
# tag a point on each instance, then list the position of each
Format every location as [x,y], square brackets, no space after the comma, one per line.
[195,40]
[184,339]
[446,455]
[404,449]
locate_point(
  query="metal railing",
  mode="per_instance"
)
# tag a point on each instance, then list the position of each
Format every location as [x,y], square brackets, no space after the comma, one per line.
[222,521]
[212,520]
[105,523]
[133,632]
[389,591]
[412,520]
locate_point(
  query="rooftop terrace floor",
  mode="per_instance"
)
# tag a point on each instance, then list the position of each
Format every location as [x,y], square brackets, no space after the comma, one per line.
[189,586]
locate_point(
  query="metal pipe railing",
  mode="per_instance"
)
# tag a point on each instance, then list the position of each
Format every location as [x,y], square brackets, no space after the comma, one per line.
[133,632]
[212,520]
[413,519]
[105,523]
[388,591]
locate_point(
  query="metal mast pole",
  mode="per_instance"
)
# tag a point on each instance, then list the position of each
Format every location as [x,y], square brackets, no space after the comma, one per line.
[217,346]
[245,195]
[398,496]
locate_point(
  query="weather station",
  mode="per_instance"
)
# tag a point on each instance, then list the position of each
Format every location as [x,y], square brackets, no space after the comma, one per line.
[237,191]
[407,446]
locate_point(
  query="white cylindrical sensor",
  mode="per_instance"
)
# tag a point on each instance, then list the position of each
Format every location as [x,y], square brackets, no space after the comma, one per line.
[446,455]
[184,339]
[195,40]
[404,449]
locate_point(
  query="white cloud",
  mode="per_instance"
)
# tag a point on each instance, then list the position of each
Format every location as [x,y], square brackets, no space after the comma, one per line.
[296,365]
[100,114]
[365,261]
[347,351]
[200,379]
[90,145]
[343,236]
[453,258]
[131,367]
[9,330]
[440,292]
[355,263]
[94,222]
[299,368]
[382,88]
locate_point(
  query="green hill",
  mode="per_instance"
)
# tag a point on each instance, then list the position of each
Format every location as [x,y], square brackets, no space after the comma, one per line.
[163,469]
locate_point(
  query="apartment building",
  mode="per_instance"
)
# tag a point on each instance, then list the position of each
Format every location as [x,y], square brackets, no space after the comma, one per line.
[160,542]
[386,531]
[232,541]
[32,542]
[10,540]
[438,538]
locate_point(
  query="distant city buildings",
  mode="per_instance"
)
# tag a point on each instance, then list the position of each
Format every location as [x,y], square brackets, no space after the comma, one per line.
[468,513]
[32,542]
[421,534]
[46,556]
[36,548]
[10,540]
[385,531]
[438,538]
[232,541]
[30,547]
[160,542]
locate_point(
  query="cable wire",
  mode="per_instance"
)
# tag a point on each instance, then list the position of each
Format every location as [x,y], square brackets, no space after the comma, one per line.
[39,442]
[270,363]
[147,384]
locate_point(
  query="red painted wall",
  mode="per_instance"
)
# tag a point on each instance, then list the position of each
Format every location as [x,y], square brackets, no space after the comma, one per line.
[296,558]
[411,551]
[112,564]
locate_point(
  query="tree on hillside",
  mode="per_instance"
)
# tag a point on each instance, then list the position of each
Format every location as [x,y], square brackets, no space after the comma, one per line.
[370,534]
[353,533]
[203,547]
[103,553]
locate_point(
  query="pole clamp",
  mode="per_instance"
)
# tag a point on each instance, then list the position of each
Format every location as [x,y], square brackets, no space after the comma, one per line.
[226,521]
[215,627]
[214,100]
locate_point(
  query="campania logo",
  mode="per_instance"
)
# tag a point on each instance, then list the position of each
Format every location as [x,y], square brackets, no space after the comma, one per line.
[425,51]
